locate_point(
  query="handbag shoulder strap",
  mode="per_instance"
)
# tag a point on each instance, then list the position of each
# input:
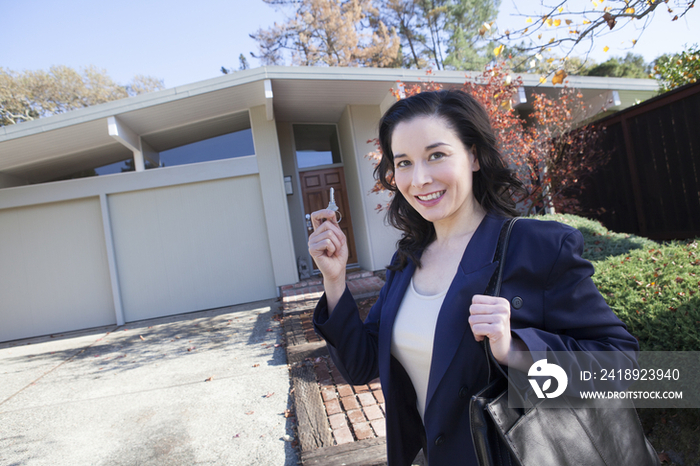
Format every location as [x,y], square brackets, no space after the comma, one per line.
[494,287]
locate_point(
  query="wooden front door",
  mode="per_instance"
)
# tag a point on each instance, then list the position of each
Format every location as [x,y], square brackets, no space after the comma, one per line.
[315,190]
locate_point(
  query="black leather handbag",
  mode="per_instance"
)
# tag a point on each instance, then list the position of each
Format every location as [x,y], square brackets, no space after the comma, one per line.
[541,436]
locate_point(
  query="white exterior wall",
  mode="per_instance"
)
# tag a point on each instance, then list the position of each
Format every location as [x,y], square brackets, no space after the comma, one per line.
[191,247]
[54,275]
[295,203]
[280,242]
[374,239]
[356,195]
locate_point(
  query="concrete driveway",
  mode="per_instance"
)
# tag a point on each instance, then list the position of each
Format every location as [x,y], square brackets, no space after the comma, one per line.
[205,388]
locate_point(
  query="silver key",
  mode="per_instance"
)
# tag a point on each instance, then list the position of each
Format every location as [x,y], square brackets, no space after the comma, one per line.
[333,206]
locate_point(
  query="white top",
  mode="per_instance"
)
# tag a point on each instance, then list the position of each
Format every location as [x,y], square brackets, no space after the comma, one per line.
[412,338]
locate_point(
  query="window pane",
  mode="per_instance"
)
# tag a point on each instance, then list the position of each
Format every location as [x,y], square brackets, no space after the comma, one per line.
[119,167]
[228,146]
[316,145]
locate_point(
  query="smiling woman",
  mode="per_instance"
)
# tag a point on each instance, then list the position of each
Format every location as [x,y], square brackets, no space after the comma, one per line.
[453,194]
[429,166]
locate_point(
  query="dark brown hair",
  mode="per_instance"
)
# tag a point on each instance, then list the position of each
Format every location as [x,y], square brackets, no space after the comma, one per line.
[494,184]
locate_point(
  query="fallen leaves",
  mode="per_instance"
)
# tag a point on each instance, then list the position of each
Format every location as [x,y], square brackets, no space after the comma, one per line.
[268,394]
[209,379]
[248,413]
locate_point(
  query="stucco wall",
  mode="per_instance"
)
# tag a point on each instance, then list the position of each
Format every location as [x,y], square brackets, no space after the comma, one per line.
[294,202]
[274,199]
[356,195]
[376,240]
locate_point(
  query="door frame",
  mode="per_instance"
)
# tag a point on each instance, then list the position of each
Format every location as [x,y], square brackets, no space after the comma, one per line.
[299,171]
[318,197]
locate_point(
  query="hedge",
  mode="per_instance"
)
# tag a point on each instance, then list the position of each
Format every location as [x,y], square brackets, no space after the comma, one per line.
[653,288]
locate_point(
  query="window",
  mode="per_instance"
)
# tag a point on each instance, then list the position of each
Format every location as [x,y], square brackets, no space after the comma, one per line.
[316,145]
[228,146]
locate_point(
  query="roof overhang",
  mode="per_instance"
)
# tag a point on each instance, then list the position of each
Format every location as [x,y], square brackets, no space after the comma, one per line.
[47,148]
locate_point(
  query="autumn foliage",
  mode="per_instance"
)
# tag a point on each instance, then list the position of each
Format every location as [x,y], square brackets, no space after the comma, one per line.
[676,70]
[330,33]
[551,151]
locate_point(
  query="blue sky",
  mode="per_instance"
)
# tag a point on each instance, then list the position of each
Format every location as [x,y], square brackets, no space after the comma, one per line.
[183,42]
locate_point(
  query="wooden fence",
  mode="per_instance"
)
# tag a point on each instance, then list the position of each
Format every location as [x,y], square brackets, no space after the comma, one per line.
[651,185]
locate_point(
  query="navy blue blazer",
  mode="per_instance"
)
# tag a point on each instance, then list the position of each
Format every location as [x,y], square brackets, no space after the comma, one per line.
[561,310]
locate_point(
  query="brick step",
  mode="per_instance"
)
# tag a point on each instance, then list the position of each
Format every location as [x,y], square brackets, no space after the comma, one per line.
[361,284]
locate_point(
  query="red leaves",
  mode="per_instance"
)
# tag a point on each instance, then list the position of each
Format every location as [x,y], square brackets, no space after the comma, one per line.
[550,153]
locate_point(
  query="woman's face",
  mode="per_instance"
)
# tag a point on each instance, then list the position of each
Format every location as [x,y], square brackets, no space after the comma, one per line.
[432,168]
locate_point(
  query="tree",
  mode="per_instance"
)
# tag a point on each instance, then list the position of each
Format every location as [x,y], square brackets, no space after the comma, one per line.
[243,62]
[631,66]
[466,48]
[35,94]
[677,70]
[242,65]
[331,33]
[444,33]
[551,153]
[416,33]
[567,24]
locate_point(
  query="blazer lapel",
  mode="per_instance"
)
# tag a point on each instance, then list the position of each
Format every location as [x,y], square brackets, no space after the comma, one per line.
[472,277]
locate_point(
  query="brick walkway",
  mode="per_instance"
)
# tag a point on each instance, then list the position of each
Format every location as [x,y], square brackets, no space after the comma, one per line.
[337,424]
[349,413]
[355,412]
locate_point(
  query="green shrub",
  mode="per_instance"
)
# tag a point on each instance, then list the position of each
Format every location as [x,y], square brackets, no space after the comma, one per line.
[653,288]
[599,241]
[655,292]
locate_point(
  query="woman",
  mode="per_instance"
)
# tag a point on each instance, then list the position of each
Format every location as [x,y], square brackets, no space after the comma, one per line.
[452,194]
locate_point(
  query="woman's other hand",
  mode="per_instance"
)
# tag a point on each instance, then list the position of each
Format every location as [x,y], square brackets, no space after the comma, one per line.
[490,317]
[329,249]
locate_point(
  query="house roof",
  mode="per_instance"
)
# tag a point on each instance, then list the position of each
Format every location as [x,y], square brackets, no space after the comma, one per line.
[45,148]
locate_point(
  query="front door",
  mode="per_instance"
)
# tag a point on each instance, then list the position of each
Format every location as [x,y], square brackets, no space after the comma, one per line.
[315,190]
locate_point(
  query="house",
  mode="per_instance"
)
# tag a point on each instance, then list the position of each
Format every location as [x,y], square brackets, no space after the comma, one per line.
[213,210]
